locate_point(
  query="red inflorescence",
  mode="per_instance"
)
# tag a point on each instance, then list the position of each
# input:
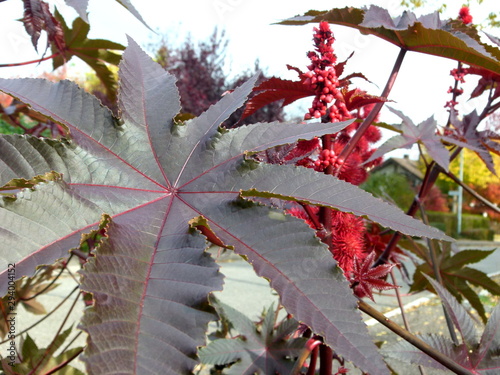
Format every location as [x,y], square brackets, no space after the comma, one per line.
[464,15]
[325,159]
[459,75]
[333,102]
[323,77]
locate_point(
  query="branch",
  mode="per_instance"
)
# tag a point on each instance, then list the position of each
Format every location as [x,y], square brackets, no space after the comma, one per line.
[471,191]
[30,62]
[414,340]
[312,346]
[374,112]
[403,313]
[50,284]
[65,363]
[437,275]
[45,316]
[431,175]
[48,350]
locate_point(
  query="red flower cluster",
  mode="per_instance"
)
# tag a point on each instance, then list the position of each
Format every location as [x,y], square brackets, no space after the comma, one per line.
[335,102]
[325,159]
[464,15]
[459,75]
[323,77]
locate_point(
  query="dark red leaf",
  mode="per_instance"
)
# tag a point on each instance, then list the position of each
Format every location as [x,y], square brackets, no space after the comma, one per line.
[465,134]
[277,89]
[365,278]
[355,99]
[486,82]
[38,18]
[339,68]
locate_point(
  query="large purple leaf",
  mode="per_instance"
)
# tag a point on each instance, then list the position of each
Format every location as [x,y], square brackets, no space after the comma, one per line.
[489,346]
[406,352]
[81,7]
[424,133]
[426,34]
[154,178]
[459,316]
[263,351]
[465,134]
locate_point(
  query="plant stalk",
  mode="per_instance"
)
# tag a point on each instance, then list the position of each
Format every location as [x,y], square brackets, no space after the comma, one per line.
[403,314]
[311,348]
[325,213]
[31,61]
[414,340]
[470,191]
[45,316]
[49,348]
[313,361]
[439,279]
[376,109]
[65,363]
[326,360]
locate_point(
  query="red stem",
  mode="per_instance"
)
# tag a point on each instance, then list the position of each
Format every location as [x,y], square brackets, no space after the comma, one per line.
[313,361]
[374,112]
[414,340]
[325,213]
[310,347]
[30,62]
[65,363]
[48,349]
[326,360]
[312,216]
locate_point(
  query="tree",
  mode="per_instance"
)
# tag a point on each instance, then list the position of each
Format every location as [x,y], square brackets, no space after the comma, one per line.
[390,186]
[201,78]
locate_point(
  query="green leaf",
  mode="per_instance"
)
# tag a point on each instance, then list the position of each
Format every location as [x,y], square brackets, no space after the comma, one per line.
[457,276]
[152,177]
[426,34]
[464,257]
[29,349]
[97,53]
[42,359]
[480,279]
[473,298]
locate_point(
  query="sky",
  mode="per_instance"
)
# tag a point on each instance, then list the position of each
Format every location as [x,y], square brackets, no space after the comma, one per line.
[420,91]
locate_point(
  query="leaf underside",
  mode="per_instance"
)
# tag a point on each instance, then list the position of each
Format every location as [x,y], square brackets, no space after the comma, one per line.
[151,278]
[81,8]
[426,34]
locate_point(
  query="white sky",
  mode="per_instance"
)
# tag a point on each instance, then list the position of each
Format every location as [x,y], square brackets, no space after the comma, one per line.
[420,90]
